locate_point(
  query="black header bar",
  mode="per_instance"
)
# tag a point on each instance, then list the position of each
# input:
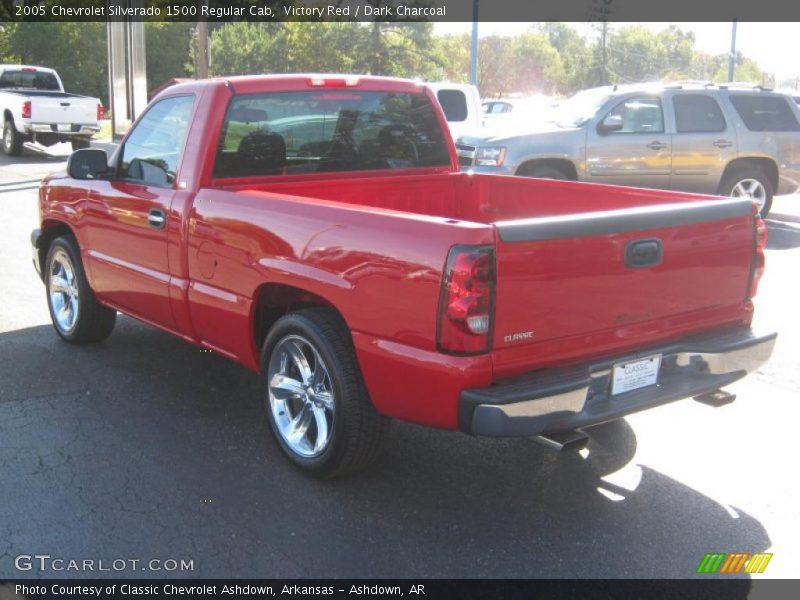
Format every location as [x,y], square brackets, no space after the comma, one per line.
[398,10]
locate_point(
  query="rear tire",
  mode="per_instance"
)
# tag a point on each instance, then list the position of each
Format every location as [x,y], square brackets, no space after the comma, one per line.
[543,172]
[76,314]
[751,183]
[12,140]
[317,404]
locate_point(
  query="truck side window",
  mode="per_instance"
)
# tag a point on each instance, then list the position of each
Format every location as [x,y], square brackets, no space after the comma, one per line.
[151,152]
[640,114]
[697,113]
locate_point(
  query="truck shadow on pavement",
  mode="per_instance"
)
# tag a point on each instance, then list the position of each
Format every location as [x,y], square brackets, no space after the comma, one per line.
[146,447]
[783,232]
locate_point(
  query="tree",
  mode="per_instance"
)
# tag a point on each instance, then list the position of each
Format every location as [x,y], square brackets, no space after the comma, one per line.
[535,63]
[636,54]
[494,76]
[451,54]
[679,45]
[576,56]
[244,48]
[168,48]
[747,70]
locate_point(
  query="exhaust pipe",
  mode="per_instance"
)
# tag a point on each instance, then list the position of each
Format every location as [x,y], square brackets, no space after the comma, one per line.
[564,440]
[716,398]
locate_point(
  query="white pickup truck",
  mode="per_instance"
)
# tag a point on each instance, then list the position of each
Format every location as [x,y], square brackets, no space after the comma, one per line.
[35,108]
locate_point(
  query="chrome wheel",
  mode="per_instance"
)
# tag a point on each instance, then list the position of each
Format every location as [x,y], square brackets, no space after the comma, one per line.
[63,291]
[301,396]
[7,138]
[752,189]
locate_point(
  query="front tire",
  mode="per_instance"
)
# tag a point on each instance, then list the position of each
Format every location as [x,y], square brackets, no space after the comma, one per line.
[317,404]
[12,140]
[76,314]
[749,183]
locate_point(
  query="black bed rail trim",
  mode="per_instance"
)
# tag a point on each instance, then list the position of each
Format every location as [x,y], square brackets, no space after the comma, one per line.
[620,221]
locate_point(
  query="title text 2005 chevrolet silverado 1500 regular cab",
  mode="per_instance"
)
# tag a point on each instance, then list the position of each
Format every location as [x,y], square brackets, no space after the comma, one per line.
[316,229]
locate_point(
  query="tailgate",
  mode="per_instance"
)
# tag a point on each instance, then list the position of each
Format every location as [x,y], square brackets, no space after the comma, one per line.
[63,109]
[592,284]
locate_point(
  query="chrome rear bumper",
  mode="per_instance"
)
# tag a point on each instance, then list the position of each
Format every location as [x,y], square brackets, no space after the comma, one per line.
[554,400]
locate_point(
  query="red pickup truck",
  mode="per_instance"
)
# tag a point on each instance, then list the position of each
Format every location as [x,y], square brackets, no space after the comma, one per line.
[316,229]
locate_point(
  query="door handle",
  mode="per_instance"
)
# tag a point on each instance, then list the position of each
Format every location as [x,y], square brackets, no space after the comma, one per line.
[656,145]
[723,143]
[156,218]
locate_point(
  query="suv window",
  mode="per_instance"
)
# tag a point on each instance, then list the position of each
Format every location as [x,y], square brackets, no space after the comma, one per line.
[33,79]
[454,105]
[151,151]
[696,113]
[289,133]
[640,114]
[765,113]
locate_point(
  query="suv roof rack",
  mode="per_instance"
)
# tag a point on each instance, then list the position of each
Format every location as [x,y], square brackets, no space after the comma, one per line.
[744,85]
[677,85]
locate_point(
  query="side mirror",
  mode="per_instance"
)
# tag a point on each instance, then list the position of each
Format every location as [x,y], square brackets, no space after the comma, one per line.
[88,163]
[609,124]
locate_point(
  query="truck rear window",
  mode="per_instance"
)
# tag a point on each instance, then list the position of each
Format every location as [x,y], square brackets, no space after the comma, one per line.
[35,80]
[319,131]
[454,105]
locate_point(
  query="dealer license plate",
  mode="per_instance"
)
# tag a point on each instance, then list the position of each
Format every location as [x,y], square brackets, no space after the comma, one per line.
[635,374]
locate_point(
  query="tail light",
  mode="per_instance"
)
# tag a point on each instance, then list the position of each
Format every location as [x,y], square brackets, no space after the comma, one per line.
[333,81]
[101,111]
[26,109]
[757,264]
[466,307]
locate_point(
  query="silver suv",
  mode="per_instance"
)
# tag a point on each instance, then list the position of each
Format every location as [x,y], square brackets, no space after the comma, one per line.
[725,139]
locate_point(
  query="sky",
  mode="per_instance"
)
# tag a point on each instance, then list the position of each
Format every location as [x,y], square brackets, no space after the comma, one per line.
[774,46]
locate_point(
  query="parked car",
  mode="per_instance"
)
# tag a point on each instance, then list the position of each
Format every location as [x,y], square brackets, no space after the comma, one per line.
[36,109]
[461,104]
[517,111]
[726,140]
[366,278]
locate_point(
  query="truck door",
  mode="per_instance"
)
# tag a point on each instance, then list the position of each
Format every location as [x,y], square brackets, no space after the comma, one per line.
[628,145]
[703,142]
[129,215]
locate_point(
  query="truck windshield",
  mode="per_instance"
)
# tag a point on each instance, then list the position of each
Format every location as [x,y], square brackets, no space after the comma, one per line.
[305,132]
[29,79]
[576,110]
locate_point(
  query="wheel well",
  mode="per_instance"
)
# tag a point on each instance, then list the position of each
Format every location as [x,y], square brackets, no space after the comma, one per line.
[7,116]
[766,165]
[561,164]
[50,231]
[273,300]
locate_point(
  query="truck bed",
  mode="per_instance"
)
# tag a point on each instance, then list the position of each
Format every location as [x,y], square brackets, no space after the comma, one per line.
[564,291]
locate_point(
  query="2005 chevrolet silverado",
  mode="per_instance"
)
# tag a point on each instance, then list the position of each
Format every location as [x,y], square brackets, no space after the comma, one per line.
[316,229]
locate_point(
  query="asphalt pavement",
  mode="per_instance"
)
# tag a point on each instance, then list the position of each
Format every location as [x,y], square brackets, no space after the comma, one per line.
[145,448]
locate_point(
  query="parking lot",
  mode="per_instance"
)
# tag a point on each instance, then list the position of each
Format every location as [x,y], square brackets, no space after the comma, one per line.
[145,448]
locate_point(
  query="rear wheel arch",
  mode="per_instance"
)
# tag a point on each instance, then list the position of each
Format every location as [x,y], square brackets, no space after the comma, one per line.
[564,166]
[766,165]
[7,116]
[271,301]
